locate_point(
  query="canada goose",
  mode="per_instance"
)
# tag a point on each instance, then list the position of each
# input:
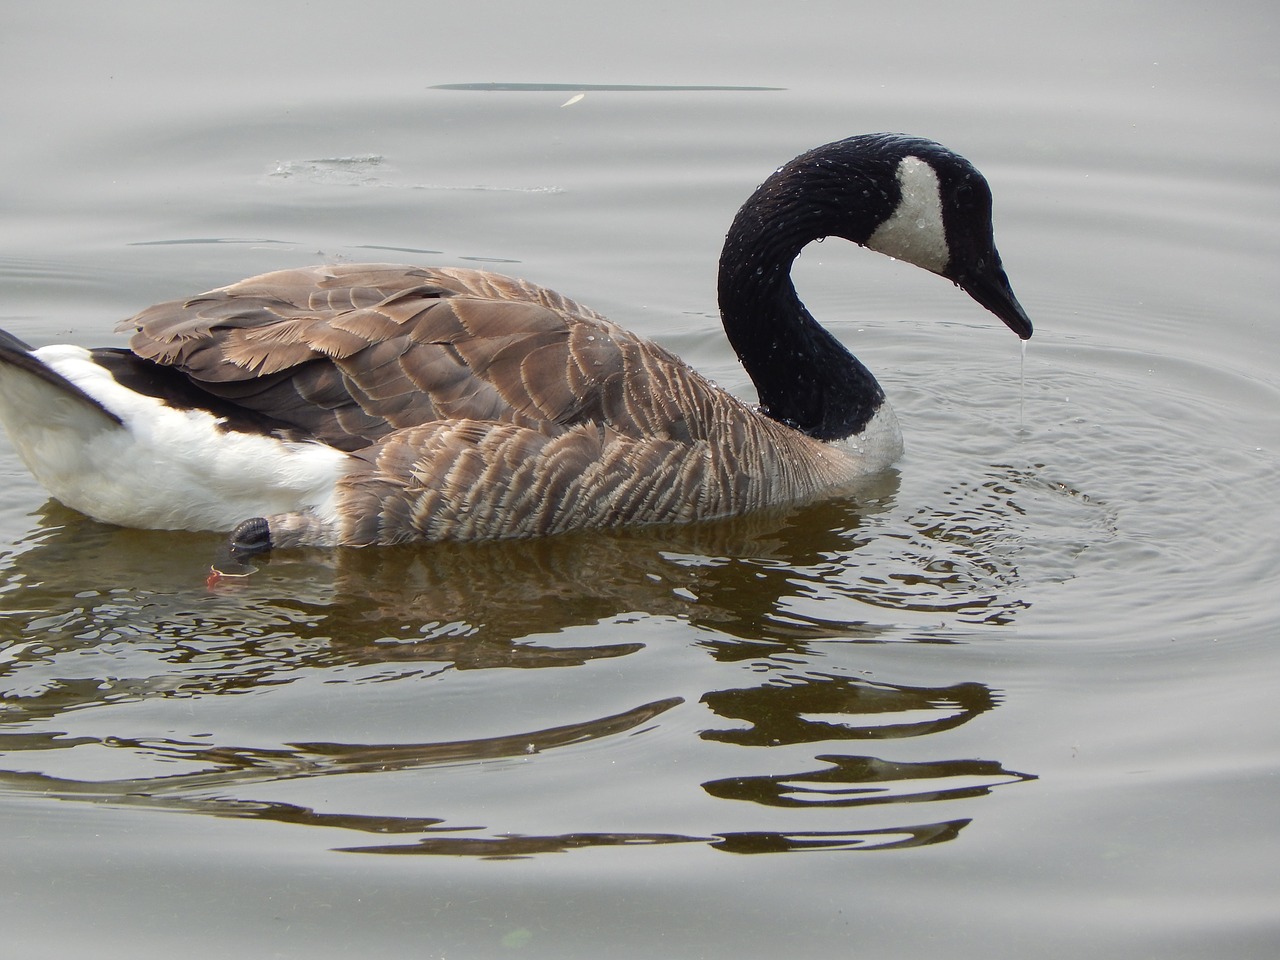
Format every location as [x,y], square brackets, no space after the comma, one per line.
[374,403]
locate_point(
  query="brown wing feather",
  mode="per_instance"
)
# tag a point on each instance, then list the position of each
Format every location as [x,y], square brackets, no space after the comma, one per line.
[351,353]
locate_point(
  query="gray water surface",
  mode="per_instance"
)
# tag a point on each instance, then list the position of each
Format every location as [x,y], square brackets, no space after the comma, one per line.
[1015,699]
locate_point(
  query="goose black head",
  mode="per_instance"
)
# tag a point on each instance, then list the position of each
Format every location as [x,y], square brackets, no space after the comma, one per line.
[914,200]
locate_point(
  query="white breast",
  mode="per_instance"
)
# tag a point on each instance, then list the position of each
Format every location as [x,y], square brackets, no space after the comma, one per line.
[879,444]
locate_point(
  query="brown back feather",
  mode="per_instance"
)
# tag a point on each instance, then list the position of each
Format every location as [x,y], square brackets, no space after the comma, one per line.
[350,353]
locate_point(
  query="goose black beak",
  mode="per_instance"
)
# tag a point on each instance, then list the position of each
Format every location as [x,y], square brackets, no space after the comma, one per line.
[990,287]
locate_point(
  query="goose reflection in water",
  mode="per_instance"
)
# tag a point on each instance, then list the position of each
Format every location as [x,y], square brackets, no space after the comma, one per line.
[419,615]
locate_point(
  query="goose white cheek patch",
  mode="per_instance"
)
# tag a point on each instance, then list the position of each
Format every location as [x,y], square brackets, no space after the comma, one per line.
[915,232]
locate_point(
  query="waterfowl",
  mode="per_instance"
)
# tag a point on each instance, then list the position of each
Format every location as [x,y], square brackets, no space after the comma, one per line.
[361,404]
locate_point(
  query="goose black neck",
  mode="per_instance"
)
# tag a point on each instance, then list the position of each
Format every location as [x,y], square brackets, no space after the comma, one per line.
[804,376]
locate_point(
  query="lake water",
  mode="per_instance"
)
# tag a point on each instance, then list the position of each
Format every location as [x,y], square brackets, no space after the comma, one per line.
[1017,699]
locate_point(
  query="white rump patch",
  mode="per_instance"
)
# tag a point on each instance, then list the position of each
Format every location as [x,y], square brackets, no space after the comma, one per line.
[915,232]
[164,468]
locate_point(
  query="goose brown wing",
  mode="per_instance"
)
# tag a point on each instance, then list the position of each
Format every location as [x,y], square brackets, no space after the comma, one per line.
[350,353]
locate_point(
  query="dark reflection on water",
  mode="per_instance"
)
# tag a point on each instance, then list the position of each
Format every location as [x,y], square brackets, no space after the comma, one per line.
[737,842]
[854,781]
[783,711]
[228,767]
[816,709]
[96,617]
